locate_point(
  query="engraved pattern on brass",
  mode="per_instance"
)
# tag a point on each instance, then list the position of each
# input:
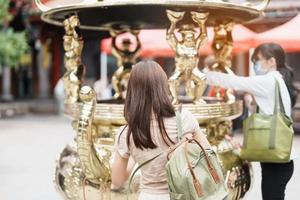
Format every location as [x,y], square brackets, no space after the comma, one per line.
[217,130]
[112,114]
[187,56]
[238,173]
[68,174]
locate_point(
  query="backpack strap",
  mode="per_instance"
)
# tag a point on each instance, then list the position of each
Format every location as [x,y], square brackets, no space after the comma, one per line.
[211,169]
[179,125]
[138,168]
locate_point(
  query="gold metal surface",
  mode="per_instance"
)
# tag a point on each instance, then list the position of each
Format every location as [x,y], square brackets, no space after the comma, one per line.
[238,173]
[71,182]
[108,117]
[73,44]
[69,175]
[125,59]
[95,164]
[187,56]
[222,46]
[112,114]
[96,15]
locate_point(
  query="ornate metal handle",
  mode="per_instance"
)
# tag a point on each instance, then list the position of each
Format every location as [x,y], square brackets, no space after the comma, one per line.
[96,167]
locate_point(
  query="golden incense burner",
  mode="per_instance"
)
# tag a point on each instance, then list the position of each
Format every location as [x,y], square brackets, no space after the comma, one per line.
[83,168]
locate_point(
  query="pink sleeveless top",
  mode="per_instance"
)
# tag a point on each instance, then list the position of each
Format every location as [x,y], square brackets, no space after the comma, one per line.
[153,175]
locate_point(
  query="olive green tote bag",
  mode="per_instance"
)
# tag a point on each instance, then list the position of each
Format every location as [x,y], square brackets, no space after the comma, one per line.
[268,138]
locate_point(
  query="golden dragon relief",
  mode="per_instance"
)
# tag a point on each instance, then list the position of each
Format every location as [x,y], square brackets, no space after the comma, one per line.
[95,164]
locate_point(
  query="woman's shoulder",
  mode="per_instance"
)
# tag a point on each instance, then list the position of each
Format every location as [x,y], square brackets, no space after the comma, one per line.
[185,113]
[121,134]
[189,121]
[121,142]
[187,117]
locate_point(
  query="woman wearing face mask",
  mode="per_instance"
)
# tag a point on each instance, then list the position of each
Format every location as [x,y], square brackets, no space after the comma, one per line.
[269,65]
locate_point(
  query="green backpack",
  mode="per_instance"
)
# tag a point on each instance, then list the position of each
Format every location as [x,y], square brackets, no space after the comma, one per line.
[193,173]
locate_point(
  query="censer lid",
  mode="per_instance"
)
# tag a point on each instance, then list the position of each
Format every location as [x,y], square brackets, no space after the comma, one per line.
[147,14]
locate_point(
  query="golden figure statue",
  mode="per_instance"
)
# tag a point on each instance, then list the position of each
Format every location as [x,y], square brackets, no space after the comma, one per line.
[187,56]
[73,44]
[125,59]
[222,46]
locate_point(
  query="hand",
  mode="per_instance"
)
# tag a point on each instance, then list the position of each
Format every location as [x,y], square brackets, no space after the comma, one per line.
[175,16]
[199,17]
[135,31]
[74,21]
[229,26]
[248,100]
[114,32]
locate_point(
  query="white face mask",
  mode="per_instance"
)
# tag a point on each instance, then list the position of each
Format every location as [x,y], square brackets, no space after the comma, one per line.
[258,69]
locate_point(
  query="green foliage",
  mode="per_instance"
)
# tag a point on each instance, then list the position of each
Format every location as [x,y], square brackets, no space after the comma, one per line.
[4,14]
[12,46]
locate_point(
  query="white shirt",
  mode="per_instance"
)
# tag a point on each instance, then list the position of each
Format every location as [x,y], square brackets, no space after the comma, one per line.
[262,88]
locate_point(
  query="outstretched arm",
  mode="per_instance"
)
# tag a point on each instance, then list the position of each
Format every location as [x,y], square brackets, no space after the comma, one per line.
[202,36]
[229,28]
[138,47]
[114,35]
[200,18]
[114,44]
[256,85]
[174,17]
[116,51]
[171,38]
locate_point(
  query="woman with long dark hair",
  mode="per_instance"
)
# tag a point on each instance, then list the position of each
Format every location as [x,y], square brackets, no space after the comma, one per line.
[269,63]
[151,128]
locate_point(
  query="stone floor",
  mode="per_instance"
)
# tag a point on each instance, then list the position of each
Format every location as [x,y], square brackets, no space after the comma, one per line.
[30,144]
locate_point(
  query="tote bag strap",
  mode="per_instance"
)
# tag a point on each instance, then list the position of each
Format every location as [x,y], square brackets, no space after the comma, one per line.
[278,107]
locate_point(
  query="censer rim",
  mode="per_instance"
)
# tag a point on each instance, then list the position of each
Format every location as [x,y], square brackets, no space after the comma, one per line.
[52,15]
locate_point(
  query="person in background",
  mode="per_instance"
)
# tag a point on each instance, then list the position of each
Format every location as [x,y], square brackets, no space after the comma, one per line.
[59,95]
[151,128]
[269,63]
[103,90]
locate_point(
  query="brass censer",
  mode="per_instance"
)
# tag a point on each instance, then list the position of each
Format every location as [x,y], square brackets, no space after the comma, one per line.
[83,168]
